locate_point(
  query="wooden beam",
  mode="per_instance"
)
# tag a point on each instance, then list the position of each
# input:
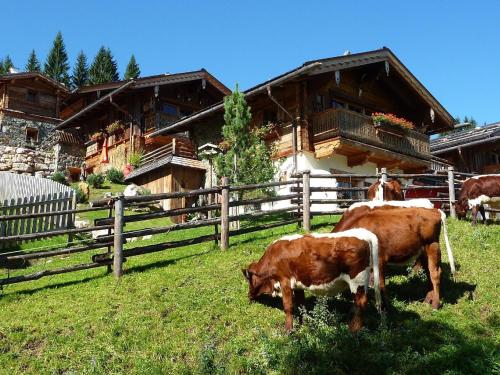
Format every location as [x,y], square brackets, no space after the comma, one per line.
[358,159]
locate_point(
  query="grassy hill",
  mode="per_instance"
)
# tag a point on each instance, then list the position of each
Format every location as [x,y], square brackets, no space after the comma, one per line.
[186,311]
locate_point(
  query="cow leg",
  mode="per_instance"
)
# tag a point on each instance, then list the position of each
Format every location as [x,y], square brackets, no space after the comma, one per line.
[287,297]
[360,302]
[434,273]
[300,300]
[483,213]
[474,215]
[383,291]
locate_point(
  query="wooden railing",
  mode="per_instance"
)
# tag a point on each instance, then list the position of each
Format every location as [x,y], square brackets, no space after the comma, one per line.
[177,147]
[355,126]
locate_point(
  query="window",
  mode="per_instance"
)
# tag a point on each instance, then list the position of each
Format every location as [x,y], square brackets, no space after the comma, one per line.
[31,135]
[32,96]
[169,109]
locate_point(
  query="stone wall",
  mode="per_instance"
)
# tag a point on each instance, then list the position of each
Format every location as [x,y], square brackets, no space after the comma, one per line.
[26,161]
[42,158]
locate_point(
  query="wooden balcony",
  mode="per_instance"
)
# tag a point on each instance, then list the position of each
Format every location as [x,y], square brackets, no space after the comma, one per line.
[357,129]
[177,147]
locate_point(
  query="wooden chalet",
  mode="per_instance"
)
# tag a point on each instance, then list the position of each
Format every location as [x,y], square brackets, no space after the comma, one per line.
[472,151]
[320,116]
[115,118]
[30,106]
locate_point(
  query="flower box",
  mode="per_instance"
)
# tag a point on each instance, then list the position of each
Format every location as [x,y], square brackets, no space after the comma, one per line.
[389,123]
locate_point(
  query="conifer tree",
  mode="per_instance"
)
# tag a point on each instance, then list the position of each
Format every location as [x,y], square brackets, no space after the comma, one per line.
[33,65]
[132,70]
[104,68]
[56,66]
[80,75]
[7,64]
[246,158]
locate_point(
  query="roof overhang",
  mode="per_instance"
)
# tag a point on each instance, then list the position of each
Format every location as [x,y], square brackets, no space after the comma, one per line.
[316,67]
[12,77]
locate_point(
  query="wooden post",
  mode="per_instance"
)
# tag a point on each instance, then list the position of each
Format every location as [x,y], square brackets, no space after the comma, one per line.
[451,192]
[383,178]
[110,215]
[118,238]
[306,196]
[224,213]
[71,218]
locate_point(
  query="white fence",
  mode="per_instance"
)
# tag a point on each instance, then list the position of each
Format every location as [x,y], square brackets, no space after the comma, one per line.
[26,198]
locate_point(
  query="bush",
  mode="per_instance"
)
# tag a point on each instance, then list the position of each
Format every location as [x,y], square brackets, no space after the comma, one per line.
[95,180]
[59,177]
[115,176]
[135,159]
[81,197]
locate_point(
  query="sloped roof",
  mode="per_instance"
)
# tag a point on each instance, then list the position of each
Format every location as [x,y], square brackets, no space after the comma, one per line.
[28,75]
[321,66]
[484,134]
[162,162]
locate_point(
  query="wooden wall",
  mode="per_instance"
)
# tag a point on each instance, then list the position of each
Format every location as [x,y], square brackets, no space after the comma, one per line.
[45,103]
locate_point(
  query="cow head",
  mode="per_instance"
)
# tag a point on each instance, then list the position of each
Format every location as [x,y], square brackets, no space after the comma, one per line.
[258,284]
[393,190]
[461,208]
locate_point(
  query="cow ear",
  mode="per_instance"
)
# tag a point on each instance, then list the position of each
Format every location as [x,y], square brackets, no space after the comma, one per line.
[246,273]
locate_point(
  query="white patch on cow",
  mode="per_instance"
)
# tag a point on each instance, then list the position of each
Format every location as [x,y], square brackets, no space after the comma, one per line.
[483,175]
[335,286]
[277,290]
[419,202]
[482,199]
[379,194]
[290,237]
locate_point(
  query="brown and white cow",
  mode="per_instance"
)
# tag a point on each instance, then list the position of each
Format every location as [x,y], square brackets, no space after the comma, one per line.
[405,234]
[475,192]
[386,191]
[323,263]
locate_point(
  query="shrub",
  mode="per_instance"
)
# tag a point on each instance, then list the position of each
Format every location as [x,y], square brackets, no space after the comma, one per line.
[81,197]
[95,180]
[135,159]
[115,176]
[59,177]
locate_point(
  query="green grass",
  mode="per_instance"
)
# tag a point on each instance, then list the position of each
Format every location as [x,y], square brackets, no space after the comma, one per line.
[186,311]
[96,194]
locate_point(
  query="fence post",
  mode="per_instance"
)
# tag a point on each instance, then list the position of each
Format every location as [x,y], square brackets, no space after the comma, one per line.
[306,196]
[118,238]
[71,217]
[451,192]
[224,215]
[383,178]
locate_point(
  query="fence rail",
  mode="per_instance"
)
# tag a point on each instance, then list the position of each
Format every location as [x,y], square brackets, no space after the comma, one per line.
[301,205]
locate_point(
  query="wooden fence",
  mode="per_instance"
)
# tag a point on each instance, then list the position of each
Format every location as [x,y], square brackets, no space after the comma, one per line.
[297,210]
[22,195]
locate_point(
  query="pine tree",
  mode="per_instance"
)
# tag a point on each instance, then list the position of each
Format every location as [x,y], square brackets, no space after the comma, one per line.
[132,70]
[56,66]
[80,75]
[7,64]
[104,68]
[33,65]
[246,159]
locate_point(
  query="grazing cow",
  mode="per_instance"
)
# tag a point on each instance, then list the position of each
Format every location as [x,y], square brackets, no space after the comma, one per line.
[475,192]
[324,264]
[405,234]
[386,191]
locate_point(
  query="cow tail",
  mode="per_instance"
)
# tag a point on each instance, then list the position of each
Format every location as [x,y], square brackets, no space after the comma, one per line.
[373,242]
[447,242]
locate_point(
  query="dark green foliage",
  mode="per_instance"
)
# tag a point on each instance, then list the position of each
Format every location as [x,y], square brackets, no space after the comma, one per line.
[33,65]
[59,177]
[80,75]
[81,197]
[115,176]
[132,70]
[104,68]
[56,66]
[247,159]
[96,180]
[5,64]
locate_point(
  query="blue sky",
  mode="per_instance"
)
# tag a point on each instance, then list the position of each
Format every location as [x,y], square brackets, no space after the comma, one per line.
[453,47]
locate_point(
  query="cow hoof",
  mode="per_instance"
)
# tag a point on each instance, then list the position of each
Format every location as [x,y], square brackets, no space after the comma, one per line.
[355,325]
[429,298]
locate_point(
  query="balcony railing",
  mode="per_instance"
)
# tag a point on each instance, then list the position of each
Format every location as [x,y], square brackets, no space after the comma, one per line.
[357,127]
[177,147]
